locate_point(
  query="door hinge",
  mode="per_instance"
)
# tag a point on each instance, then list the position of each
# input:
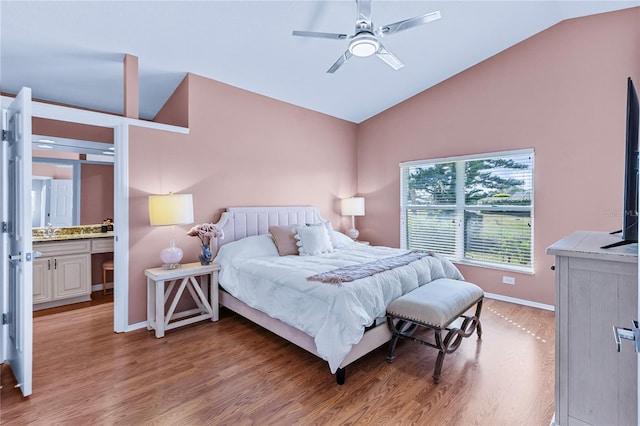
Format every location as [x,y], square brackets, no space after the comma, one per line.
[5,321]
[5,135]
[5,227]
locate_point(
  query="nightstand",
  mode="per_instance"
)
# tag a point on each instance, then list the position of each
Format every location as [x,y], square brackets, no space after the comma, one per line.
[185,278]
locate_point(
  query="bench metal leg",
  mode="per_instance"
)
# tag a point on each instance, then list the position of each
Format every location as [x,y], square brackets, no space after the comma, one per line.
[400,328]
[392,348]
[478,312]
[404,328]
[438,369]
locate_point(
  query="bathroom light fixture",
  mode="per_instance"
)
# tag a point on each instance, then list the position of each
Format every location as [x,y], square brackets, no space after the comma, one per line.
[353,206]
[363,45]
[172,209]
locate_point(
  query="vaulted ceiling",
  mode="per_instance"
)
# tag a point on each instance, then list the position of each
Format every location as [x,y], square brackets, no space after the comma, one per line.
[72,51]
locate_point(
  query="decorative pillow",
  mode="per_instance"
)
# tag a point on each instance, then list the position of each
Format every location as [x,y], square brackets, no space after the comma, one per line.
[283,237]
[342,240]
[332,237]
[330,232]
[313,239]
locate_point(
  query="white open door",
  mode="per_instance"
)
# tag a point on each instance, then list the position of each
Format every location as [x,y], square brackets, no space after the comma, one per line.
[61,204]
[17,265]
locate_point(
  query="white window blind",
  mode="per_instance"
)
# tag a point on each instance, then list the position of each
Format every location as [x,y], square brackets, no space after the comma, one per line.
[475,209]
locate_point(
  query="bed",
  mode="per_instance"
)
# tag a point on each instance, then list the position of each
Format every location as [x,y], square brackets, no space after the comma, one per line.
[337,322]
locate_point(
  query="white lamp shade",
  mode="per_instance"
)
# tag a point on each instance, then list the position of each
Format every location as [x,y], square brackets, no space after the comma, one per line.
[353,206]
[172,209]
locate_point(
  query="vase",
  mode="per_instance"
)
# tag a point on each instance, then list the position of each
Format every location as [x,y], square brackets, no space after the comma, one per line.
[205,255]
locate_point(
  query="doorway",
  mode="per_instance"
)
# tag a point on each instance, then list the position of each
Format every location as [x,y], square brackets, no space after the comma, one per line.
[73,191]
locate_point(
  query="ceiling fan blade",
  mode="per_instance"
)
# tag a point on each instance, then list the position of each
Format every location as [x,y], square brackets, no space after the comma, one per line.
[364,12]
[333,36]
[341,60]
[389,58]
[408,23]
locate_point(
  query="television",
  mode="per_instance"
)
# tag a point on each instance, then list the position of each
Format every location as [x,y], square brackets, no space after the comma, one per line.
[630,208]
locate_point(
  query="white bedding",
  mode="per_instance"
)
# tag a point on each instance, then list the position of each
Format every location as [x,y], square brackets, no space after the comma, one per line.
[334,315]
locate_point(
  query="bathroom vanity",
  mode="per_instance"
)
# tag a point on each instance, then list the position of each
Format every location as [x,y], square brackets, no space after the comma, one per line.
[62,264]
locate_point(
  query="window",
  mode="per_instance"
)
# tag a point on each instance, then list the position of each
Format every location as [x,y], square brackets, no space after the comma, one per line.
[473,209]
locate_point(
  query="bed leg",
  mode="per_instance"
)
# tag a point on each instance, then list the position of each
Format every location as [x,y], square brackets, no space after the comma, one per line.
[341,376]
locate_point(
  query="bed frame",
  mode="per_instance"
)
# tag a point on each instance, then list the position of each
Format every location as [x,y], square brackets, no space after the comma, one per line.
[240,222]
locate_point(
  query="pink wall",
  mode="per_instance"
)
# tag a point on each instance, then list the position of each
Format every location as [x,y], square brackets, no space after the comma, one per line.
[561,92]
[131,105]
[45,153]
[96,193]
[176,110]
[243,149]
[65,129]
[51,170]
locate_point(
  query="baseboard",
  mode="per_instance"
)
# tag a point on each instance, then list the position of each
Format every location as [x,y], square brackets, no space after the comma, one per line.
[63,302]
[98,287]
[520,301]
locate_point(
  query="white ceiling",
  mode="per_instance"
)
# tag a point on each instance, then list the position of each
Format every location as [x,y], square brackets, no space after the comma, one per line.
[72,52]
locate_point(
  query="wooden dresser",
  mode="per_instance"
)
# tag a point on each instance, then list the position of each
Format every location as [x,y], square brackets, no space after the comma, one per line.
[595,290]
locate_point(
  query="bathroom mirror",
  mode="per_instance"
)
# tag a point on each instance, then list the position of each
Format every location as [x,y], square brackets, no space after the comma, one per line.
[67,174]
[55,189]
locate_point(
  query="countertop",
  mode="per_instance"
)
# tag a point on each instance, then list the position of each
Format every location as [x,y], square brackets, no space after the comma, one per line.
[70,233]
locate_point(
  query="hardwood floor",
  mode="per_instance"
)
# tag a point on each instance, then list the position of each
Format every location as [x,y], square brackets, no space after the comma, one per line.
[234,372]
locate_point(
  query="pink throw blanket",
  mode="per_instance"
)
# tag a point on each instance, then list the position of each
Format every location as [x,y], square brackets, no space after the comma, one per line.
[363,270]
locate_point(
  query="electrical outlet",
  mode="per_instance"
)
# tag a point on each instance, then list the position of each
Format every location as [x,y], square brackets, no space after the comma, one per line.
[508,280]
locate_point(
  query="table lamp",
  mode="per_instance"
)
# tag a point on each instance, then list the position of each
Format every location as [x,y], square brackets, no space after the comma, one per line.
[353,206]
[172,209]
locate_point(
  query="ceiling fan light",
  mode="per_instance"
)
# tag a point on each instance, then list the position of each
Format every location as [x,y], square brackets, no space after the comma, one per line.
[363,45]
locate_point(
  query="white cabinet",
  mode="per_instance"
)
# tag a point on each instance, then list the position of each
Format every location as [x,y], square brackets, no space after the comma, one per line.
[595,290]
[63,274]
[42,288]
[72,276]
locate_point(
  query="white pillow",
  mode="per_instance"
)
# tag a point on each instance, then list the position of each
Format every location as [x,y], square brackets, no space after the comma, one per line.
[254,246]
[330,232]
[342,241]
[313,239]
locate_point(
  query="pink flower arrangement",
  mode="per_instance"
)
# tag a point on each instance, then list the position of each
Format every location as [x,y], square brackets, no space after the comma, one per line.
[206,231]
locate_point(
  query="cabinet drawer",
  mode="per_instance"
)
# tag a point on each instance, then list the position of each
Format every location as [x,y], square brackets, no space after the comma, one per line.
[102,245]
[56,248]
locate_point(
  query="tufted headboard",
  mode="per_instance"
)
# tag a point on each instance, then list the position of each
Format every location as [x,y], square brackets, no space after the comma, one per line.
[241,222]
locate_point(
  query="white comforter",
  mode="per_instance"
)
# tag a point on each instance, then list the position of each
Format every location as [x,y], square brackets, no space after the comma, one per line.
[334,315]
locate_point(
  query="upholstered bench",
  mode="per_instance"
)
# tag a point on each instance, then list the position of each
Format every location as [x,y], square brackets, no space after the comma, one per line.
[436,305]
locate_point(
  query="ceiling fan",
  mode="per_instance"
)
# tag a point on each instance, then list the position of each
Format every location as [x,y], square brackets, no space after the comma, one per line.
[365,41]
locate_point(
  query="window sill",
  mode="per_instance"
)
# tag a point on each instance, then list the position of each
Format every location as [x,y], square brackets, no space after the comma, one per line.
[518,269]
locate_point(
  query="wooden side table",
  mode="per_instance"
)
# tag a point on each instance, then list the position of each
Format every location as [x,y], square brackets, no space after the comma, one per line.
[157,295]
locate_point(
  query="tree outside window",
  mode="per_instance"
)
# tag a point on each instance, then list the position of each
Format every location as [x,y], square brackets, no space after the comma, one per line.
[476,209]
